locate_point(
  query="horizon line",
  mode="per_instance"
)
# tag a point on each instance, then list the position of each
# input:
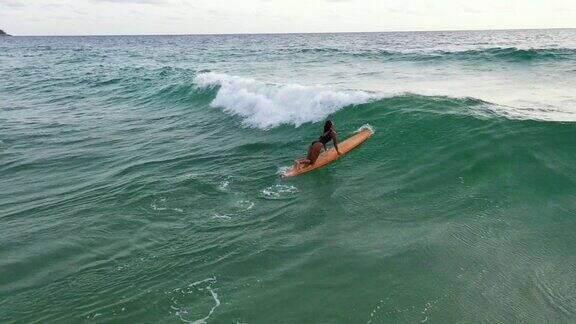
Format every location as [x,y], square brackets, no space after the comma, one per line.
[297,33]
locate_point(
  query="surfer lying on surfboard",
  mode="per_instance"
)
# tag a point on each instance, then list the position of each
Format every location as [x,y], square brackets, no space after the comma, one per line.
[328,135]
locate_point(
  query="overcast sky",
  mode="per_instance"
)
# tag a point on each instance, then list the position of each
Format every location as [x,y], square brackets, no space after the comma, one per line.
[103,17]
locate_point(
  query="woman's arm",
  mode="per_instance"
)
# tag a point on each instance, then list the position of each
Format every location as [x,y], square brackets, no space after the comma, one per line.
[335,140]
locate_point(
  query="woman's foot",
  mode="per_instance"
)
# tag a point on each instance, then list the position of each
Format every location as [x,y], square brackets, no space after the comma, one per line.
[300,163]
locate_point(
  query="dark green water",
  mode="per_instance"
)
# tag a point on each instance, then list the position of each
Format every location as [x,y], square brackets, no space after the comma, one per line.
[139,179]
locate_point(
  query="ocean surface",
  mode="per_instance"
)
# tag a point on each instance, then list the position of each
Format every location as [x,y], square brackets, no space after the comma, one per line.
[140,178]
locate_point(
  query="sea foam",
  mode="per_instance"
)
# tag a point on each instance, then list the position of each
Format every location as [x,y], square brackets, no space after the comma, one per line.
[264,105]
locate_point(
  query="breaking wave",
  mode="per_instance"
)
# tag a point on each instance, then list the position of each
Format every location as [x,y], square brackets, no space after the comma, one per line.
[265,105]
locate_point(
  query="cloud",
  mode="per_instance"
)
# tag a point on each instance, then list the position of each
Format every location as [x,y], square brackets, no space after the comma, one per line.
[33,17]
[12,3]
[133,1]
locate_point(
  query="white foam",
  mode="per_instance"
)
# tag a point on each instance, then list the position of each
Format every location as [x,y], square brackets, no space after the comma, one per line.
[244,205]
[160,205]
[201,285]
[283,169]
[221,216]
[544,112]
[263,105]
[223,185]
[216,301]
[279,191]
[365,126]
[210,280]
[237,208]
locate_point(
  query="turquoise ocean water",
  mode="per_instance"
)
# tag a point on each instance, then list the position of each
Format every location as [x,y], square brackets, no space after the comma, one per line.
[140,178]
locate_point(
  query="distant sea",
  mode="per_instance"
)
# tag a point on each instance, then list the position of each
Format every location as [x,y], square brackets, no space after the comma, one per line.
[140,178]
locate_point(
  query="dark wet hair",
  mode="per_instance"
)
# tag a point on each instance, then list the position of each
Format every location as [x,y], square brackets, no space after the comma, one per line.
[328,125]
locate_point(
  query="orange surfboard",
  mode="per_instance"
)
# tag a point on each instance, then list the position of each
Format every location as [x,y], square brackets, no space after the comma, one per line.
[330,155]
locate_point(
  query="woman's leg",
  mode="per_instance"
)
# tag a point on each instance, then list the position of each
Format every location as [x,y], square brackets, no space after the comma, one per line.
[314,152]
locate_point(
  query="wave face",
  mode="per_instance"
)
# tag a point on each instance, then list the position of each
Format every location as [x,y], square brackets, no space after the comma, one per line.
[147,169]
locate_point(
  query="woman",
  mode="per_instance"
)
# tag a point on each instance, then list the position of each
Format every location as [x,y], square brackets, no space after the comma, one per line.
[328,135]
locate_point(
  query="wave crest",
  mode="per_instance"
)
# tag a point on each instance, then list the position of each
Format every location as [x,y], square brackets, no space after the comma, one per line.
[513,54]
[263,105]
[490,54]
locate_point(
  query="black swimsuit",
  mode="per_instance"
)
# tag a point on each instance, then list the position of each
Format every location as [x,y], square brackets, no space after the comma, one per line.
[324,138]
